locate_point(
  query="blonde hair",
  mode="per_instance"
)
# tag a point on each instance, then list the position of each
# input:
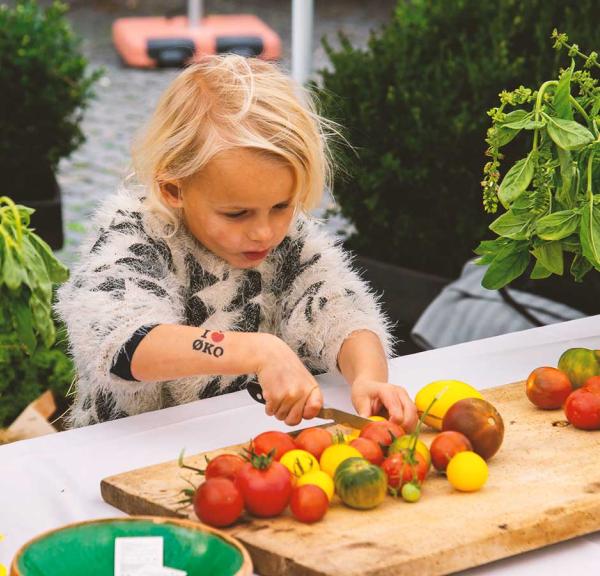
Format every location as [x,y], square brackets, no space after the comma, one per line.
[226,102]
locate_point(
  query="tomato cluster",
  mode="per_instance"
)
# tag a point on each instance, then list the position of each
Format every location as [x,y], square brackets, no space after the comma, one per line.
[550,388]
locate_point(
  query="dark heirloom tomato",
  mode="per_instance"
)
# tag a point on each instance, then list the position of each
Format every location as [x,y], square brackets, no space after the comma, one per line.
[548,388]
[479,421]
[309,503]
[369,449]
[218,502]
[265,486]
[273,440]
[582,409]
[224,466]
[382,431]
[314,440]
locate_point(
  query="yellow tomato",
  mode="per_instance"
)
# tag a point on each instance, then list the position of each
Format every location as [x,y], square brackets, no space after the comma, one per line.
[450,391]
[320,479]
[405,443]
[299,462]
[467,471]
[334,455]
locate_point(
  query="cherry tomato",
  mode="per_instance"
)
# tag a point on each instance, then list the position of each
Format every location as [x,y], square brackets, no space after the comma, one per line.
[224,466]
[308,503]
[592,384]
[399,471]
[445,445]
[265,490]
[383,432]
[273,440]
[218,502]
[369,449]
[411,492]
[314,440]
[582,409]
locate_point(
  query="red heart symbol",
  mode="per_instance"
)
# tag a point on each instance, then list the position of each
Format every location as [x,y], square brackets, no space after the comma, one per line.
[217,336]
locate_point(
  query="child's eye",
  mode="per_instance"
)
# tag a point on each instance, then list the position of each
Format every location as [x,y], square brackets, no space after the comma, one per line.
[234,215]
[282,206]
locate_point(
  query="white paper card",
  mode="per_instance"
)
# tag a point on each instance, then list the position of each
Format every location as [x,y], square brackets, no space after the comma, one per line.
[134,553]
[159,571]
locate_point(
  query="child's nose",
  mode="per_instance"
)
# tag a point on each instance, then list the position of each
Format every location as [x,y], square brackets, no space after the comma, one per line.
[260,233]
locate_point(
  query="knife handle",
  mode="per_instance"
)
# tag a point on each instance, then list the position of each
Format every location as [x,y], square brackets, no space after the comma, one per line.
[256,392]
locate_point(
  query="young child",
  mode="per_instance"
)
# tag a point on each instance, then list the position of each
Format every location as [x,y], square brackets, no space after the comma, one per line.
[209,272]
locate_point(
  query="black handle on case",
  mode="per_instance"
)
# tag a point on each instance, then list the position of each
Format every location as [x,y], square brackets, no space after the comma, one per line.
[255,391]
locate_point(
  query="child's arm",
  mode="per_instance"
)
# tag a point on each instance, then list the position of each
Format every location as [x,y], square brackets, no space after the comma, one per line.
[172,351]
[363,363]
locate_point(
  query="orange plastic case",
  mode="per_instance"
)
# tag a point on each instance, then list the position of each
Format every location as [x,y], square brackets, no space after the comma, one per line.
[153,42]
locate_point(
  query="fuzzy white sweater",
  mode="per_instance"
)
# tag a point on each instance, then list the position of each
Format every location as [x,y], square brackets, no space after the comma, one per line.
[129,275]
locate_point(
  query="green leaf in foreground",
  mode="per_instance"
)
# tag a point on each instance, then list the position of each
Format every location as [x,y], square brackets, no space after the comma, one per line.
[510,225]
[550,256]
[557,225]
[509,264]
[516,180]
[568,134]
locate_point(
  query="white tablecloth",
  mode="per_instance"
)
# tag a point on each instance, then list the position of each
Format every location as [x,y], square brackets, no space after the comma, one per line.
[54,480]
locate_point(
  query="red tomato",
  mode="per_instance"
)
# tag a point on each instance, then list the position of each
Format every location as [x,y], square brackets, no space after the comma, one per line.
[273,440]
[399,472]
[369,449]
[383,432]
[314,440]
[266,491]
[224,466]
[445,445]
[218,502]
[592,384]
[309,503]
[548,388]
[582,409]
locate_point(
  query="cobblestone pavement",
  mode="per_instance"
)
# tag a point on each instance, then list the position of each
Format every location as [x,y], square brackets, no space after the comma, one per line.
[125,97]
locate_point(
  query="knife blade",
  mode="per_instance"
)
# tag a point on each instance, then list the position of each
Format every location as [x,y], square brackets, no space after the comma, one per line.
[325,413]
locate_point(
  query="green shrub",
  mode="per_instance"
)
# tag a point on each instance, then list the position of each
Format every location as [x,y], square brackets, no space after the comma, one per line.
[413,104]
[43,91]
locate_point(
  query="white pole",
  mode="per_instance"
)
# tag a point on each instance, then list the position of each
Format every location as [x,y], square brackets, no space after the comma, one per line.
[195,10]
[302,33]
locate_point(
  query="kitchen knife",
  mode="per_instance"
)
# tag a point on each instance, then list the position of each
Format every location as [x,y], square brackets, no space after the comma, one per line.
[338,416]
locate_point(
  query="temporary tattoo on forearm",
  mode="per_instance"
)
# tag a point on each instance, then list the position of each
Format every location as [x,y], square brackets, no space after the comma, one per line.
[203,345]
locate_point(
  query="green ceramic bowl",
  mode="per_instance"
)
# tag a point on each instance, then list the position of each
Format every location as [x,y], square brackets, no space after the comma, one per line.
[88,548]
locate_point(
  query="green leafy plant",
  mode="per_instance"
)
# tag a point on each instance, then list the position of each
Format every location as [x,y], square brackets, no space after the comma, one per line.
[551,196]
[31,360]
[44,88]
[411,105]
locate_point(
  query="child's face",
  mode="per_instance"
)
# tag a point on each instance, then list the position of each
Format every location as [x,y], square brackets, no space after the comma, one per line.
[239,206]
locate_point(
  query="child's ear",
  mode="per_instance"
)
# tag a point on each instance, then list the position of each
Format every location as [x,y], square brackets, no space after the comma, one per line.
[171,193]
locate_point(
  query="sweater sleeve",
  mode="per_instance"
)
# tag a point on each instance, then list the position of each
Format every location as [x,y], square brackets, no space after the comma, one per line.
[323,299]
[125,280]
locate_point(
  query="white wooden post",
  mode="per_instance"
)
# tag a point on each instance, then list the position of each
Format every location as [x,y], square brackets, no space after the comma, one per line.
[302,33]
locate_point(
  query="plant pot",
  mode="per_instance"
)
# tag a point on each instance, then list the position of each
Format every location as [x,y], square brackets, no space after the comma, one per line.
[47,218]
[405,294]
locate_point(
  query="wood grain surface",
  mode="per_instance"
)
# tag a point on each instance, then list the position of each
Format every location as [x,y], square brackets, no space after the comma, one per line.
[544,487]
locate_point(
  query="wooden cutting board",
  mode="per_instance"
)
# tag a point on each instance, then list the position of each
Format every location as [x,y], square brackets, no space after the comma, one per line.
[544,487]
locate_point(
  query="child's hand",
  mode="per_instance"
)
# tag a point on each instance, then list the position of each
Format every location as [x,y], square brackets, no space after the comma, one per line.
[290,390]
[370,396]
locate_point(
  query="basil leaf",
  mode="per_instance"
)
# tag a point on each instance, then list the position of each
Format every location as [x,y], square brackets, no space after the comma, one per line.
[24,324]
[589,234]
[516,121]
[42,316]
[539,272]
[580,267]
[511,225]
[12,272]
[550,256]
[509,264]
[56,270]
[557,225]
[561,102]
[501,136]
[516,180]
[40,281]
[568,168]
[568,134]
